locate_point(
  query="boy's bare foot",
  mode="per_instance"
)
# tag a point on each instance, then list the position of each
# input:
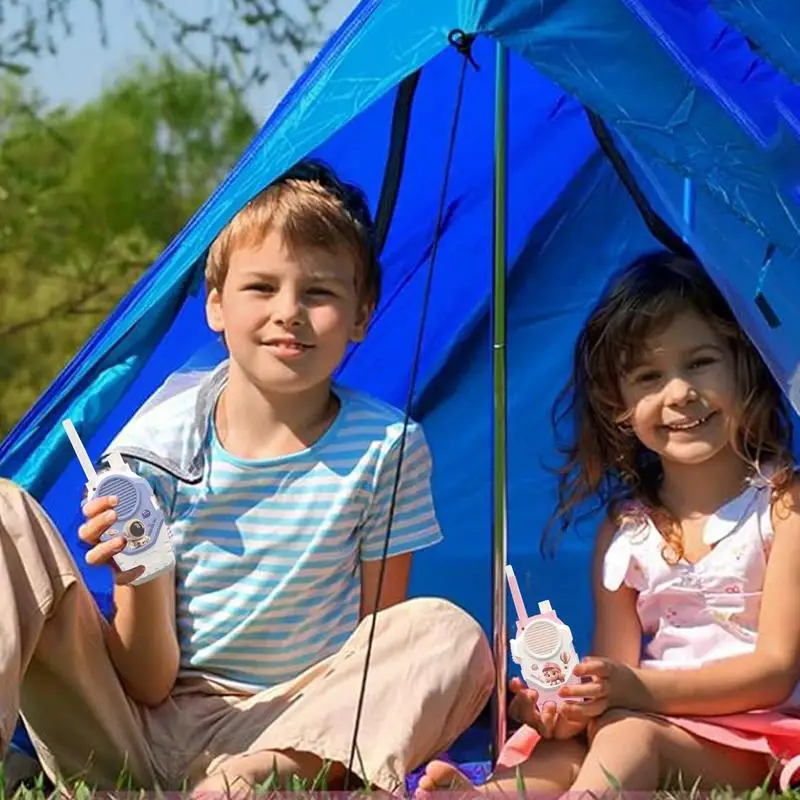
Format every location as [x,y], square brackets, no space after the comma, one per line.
[443,777]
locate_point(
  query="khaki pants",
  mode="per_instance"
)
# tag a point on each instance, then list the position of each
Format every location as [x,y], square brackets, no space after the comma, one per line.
[431,672]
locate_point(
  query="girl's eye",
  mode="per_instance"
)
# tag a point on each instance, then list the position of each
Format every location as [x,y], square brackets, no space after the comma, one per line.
[319,291]
[647,377]
[705,361]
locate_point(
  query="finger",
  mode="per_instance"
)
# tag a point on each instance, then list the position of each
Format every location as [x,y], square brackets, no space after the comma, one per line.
[583,712]
[522,694]
[105,551]
[130,575]
[595,690]
[91,531]
[517,685]
[548,717]
[523,707]
[596,667]
[99,504]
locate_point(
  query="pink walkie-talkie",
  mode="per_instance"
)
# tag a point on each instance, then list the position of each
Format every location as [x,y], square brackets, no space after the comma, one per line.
[542,647]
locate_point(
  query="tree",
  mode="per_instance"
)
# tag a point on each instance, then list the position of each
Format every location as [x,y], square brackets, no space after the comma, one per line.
[89,199]
[239,40]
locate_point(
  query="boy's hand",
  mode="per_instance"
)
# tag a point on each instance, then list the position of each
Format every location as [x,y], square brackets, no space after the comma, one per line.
[548,722]
[100,516]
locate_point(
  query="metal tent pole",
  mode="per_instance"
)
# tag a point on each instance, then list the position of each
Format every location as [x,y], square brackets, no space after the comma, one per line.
[499,483]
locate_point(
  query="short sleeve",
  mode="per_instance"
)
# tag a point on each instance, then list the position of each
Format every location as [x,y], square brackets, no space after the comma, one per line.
[620,563]
[162,483]
[138,435]
[413,521]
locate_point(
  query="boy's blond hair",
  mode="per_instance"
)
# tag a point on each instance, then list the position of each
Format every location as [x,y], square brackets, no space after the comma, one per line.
[311,208]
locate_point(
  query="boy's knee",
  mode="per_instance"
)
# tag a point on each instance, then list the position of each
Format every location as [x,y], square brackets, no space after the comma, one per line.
[433,619]
[18,508]
[12,494]
[472,658]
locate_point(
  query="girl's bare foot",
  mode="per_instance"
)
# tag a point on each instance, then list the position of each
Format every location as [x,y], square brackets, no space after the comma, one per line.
[443,777]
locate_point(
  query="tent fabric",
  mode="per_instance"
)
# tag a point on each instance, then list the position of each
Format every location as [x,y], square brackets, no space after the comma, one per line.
[699,96]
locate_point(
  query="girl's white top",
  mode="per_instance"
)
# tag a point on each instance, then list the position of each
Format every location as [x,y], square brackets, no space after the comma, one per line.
[695,613]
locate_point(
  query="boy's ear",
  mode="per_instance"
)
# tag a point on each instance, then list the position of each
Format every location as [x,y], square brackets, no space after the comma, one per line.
[214,311]
[363,317]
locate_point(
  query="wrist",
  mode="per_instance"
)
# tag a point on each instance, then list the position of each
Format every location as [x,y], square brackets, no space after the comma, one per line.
[629,690]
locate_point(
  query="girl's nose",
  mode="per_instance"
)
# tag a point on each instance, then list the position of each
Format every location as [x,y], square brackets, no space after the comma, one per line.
[680,392]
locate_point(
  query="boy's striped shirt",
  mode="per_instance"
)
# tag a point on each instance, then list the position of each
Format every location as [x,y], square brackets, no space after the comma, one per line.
[268,553]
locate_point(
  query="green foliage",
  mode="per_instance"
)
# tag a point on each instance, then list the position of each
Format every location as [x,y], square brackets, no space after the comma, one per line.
[89,199]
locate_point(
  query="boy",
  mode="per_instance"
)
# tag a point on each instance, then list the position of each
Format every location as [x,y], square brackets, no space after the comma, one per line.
[277,487]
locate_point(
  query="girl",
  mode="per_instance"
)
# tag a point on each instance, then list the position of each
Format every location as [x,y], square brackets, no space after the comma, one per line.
[682,435]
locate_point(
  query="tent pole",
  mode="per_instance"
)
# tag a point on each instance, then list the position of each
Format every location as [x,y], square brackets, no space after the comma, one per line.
[499,483]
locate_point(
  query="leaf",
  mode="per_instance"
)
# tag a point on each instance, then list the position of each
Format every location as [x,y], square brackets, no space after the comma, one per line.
[14,68]
[91,197]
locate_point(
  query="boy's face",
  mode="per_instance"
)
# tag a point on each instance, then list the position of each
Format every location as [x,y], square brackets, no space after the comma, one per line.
[287,316]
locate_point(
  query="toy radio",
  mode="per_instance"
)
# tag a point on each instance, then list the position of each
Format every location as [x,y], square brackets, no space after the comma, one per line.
[139,518]
[543,648]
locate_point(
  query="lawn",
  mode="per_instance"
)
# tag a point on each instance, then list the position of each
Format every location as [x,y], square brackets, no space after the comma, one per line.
[38,788]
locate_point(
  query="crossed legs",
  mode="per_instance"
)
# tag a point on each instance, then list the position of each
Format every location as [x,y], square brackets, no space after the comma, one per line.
[632,751]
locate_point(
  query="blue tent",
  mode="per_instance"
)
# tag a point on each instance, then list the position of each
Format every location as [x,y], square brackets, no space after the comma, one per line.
[681,113]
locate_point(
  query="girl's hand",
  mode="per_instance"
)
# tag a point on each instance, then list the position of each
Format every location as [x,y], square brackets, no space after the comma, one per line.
[547,722]
[606,684]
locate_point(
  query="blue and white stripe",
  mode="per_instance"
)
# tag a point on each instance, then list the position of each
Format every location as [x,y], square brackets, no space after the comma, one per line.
[269,552]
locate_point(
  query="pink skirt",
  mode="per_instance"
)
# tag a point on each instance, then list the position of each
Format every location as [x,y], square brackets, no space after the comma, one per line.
[768,732]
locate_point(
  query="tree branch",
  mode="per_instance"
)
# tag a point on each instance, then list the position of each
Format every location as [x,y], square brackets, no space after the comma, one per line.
[68,307]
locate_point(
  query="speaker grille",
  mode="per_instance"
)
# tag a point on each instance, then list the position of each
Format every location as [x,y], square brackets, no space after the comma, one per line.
[541,638]
[126,492]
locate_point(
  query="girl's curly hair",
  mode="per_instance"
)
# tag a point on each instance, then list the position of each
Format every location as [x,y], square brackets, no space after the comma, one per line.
[604,460]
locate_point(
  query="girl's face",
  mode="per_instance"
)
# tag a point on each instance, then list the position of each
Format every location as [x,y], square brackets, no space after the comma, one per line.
[680,393]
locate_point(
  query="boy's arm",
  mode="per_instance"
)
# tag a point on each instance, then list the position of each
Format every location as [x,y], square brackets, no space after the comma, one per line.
[412,517]
[142,640]
[395,583]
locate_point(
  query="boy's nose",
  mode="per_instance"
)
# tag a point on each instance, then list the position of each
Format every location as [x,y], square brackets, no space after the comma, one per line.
[287,309]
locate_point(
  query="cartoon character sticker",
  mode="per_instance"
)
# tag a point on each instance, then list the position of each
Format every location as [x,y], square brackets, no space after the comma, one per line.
[553,673]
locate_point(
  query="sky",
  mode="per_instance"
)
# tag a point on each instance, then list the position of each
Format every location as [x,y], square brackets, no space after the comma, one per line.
[83,65]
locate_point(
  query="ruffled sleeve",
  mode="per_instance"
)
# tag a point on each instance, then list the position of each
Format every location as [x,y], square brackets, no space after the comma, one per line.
[621,564]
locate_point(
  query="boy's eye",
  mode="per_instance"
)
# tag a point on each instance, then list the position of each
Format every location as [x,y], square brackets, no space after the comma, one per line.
[260,287]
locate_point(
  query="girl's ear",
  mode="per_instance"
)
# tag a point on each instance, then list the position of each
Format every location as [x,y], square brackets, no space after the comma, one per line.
[214,315]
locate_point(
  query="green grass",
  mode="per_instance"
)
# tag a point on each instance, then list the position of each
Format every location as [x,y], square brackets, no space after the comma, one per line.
[39,788]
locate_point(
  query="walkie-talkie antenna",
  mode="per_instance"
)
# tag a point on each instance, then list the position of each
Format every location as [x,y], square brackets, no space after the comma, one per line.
[522,614]
[80,451]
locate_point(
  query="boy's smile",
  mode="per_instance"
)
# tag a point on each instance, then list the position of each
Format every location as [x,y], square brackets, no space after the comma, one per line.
[287,347]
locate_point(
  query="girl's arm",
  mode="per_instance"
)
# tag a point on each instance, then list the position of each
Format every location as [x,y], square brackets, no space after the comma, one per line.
[762,679]
[617,632]
[617,638]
